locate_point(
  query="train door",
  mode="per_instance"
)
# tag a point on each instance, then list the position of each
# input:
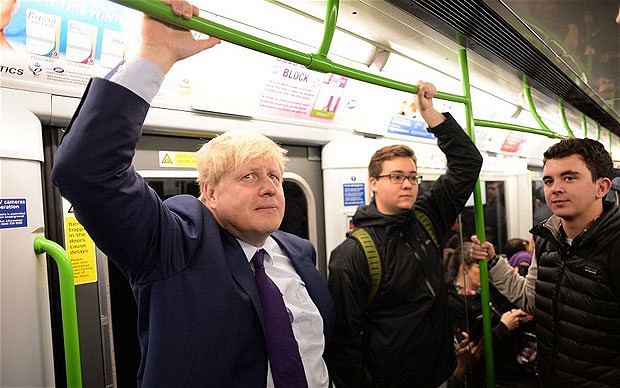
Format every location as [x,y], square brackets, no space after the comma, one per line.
[167,165]
[25,335]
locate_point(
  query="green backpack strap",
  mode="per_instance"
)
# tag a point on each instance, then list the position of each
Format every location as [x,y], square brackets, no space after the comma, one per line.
[428,226]
[372,257]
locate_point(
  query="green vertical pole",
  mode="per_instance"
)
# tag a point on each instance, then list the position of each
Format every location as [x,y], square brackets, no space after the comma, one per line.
[68,307]
[598,131]
[479,221]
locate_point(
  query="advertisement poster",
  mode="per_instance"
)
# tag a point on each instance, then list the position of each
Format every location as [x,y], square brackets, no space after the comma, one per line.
[62,44]
[291,90]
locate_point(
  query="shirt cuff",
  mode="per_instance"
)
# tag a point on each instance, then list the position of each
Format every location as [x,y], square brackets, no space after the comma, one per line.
[139,75]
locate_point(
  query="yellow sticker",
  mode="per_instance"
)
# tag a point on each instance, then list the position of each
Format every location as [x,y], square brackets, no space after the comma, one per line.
[177,159]
[81,250]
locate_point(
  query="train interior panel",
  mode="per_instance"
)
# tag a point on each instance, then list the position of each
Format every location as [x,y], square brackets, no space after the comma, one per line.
[329,123]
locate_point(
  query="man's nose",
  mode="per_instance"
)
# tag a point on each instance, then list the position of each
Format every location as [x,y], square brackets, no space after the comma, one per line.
[267,186]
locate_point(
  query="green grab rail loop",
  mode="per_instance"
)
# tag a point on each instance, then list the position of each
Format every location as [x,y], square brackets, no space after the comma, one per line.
[530,101]
[331,17]
[564,120]
[68,307]
[485,297]
[584,125]
[598,131]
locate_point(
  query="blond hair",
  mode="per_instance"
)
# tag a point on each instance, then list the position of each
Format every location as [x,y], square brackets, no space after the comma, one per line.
[230,151]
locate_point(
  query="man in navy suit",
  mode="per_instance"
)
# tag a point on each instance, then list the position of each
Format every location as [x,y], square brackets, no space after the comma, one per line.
[201,319]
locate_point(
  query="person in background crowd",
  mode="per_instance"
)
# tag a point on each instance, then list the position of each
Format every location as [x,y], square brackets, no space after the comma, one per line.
[541,210]
[224,299]
[511,327]
[402,337]
[519,253]
[573,284]
[495,214]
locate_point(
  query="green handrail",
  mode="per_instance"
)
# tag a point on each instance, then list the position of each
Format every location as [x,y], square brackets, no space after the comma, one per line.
[530,101]
[331,17]
[318,62]
[485,298]
[584,126]
[68,306]
[564,120]
[598,131]
[519,128]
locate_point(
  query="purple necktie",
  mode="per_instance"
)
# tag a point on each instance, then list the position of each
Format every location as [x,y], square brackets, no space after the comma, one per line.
[286,366]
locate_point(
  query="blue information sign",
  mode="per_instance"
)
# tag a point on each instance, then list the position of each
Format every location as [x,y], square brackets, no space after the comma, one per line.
[13,213]
[409,127]
[354,194]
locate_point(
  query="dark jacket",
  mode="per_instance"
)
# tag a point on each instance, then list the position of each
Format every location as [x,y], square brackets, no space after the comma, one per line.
[200,320]
[404,338]
[578,303]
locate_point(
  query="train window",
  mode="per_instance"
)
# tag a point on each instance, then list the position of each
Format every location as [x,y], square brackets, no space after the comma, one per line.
[540,210]
[167,188]
[296,211]
[495,214]
[494,211]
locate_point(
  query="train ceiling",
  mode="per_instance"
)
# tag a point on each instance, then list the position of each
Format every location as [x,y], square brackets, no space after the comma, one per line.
[495,30]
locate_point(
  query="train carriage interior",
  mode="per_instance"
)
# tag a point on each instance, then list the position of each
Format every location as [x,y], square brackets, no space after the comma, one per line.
[537,71]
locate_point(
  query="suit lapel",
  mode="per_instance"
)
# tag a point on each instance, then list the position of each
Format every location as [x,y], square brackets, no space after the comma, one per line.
[241,271]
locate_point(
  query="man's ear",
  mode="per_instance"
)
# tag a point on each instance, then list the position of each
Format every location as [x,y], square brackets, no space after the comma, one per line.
[210,196]
[604,185]
[372,184]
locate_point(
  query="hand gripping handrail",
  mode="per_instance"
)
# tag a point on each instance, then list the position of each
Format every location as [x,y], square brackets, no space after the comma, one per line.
[68,306]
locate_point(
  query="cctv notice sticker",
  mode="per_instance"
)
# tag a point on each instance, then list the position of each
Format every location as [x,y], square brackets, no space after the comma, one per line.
[13,213]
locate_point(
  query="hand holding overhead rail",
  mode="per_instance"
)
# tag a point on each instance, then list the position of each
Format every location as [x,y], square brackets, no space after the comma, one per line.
[164,45]
[318,62]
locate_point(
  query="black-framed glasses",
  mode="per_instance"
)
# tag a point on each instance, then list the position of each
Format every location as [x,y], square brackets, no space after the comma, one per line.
[399,177]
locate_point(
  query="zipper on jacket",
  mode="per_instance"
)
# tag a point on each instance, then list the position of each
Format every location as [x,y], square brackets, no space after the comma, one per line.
[415,254]
[554,305]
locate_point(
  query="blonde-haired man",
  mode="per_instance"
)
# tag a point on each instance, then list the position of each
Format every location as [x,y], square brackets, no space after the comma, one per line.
[224,298]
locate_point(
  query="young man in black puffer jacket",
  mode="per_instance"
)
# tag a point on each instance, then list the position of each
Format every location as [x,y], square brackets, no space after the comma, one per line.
[573,284]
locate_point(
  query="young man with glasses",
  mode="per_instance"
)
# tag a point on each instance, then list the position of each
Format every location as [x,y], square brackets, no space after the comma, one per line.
[402,336]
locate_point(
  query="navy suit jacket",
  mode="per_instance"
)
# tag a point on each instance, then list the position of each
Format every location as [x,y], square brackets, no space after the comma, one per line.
[199,312]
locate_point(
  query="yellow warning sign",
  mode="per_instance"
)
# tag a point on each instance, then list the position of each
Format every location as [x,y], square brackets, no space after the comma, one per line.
[177,159]
[81,250]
